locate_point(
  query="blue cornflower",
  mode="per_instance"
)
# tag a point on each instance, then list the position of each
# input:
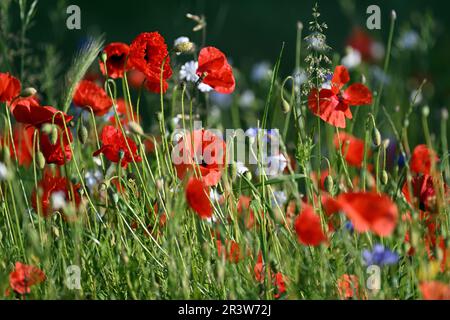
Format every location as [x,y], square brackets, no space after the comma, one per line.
[380,256]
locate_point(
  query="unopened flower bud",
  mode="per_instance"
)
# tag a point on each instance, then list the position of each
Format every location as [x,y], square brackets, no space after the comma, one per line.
[47,128]
[384,177]
[53,136]
[299,25]
[28,92]
[376,137]
[40,159]
[135,128]
[83,134]
[445,114]
[285,106]
[386,143]
[248,175]
[393,15]
[426,111]
[329,184]
[104,57]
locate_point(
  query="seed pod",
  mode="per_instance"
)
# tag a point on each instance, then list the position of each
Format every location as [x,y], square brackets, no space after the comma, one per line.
[83,134]
[384,177]
[329,183]
[40,160]
[376,137]
[53,136]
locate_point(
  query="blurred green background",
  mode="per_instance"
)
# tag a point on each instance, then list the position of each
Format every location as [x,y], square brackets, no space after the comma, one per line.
[248,31]
[252,30]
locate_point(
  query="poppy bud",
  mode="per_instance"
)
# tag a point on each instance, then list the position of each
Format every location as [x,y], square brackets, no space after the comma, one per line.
[83,134]
[445,114]
[384,177]
[393,15]
[135,128]
[233,171]
[115,198]
[426,111]
[248,175]
[40,159]
[6,154]
[104,57]
[329,184]
[28,92]
[363,79]
[386,143]
[47,128]
[376,137]
[285,106]
[53,136]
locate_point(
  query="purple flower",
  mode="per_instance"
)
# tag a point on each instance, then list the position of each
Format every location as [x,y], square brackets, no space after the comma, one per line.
[379,256]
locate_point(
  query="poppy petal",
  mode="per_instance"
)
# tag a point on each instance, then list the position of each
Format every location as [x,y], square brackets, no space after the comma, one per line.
[357,95]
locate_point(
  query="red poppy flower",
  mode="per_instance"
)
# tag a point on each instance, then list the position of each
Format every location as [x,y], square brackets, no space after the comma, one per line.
[9,87]
[231,251]
[259,269]
[28,111]
[204,152]
[308,227]
[422,159]
[117,148]
[24,277]
[277,278]
[280,285]
[333,105]
[215,70]
[243,207]
[352,148]
[197,196]
[49,185]
[370,212]
[90,95]
[31,101]
[148,52]
[348,287]
[423,191]
[435,290]
[117,54]
[23,144]
[60,152]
